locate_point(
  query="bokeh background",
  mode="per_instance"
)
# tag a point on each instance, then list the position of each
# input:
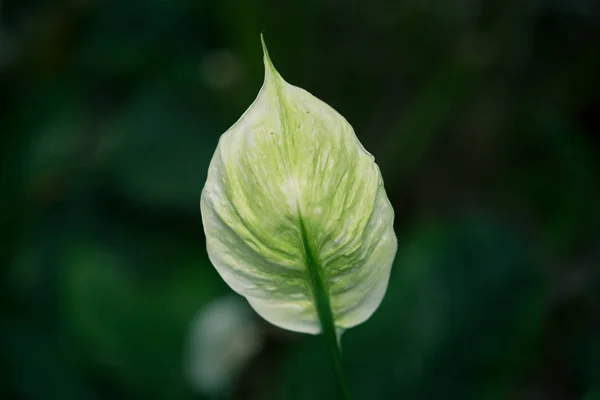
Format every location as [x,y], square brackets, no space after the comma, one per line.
[483,116]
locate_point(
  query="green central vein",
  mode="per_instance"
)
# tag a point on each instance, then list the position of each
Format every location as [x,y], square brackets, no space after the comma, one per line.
[321,297]
[315,272]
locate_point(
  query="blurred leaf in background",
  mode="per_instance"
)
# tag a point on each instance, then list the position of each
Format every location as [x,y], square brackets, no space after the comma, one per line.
[223,338]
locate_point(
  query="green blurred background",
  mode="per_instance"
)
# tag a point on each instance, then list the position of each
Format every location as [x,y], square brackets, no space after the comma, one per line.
[484,118]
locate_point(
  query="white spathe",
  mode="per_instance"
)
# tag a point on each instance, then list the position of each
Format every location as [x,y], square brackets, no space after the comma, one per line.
[290,161]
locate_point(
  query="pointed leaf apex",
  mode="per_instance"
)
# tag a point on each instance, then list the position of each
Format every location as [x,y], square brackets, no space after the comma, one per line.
[269,67]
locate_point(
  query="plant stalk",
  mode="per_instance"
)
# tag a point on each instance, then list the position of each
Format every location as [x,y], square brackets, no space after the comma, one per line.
[323,306]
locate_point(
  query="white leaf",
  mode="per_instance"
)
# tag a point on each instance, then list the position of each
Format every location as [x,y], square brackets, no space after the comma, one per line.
[290,185]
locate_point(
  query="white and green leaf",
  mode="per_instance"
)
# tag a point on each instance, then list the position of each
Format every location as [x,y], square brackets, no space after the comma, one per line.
[295,212]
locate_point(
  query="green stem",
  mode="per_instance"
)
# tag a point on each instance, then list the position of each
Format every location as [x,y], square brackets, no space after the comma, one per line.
[315,271]
[324,311]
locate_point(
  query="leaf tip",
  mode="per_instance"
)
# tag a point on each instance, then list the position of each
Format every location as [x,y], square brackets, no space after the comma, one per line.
[264,46]
[269,67]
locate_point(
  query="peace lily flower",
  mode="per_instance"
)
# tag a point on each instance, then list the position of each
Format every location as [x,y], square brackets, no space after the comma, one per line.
[295,213]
